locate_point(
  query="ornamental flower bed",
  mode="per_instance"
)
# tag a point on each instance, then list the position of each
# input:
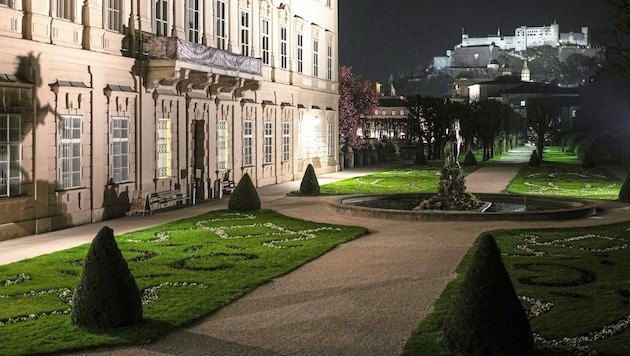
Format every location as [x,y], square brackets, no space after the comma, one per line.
[184,270]
[573,284]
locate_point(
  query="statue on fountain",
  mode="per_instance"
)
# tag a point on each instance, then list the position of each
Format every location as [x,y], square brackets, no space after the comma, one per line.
[451,193]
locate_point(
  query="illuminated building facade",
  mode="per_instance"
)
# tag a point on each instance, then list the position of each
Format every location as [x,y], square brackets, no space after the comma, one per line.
[101,99]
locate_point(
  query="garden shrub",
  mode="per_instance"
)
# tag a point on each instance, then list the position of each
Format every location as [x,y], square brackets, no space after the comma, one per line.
[624,193]
[107,295]
[470,159]
[573,139]
[244,198]
[588,162]
[487,317]
[309,185]
[534,161]
[421,159]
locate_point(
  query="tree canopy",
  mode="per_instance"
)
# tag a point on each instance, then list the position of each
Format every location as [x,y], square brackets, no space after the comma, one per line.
[357,97]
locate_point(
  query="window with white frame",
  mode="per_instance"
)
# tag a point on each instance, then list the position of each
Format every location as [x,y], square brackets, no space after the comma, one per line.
[329,62]
[10,138]
[265,41]
[286,141]
[268,143]
[329,3]
[222,144]
[193,21]
[70,151]
[245,31]
[330,138]
[120,149]
[284,60]
[221,25]
[248,143]
[65,9]
[315,57]
[300,53]
[161,17]
[164,148]
[114,15]
[300,143]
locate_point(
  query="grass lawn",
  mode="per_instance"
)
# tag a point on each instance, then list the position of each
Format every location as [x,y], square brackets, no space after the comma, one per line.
[414,179]
[565,180]
[573,282]
[184,269]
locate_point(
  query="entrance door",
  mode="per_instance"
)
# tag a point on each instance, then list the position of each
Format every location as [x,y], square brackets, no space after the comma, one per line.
[200,159]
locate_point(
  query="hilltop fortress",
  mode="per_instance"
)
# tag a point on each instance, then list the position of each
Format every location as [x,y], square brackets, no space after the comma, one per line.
[526,37]
[483,51]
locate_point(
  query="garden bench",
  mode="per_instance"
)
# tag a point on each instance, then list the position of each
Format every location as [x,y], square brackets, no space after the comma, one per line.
[162,199]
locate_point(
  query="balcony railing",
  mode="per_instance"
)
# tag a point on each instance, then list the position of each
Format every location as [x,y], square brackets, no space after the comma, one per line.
[175,48]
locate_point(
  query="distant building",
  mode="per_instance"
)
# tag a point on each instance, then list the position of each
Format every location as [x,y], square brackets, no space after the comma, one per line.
[527,37]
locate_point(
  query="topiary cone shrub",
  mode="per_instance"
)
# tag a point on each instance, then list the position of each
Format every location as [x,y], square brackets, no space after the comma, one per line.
[534,161]
[588,162]
[487,317]
[470,160]
[244,198]
[421,159]
[309,185]
[107,295]
[624,193]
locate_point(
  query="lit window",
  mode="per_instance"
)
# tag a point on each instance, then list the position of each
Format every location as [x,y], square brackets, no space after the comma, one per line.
[221,22]
[70,151]
[164,150]
[10,176]
[329,62]
[315,57]
[300,53]
[330,139]
[245,30]
[265,41]
[114,15]
[283,48]
[286,141]
[65,9]
[120,149]
[193,21]
[248,143]
[268,144]
[161,17]
[222,144]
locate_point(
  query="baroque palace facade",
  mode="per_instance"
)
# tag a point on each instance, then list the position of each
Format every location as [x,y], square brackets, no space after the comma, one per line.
[104,98]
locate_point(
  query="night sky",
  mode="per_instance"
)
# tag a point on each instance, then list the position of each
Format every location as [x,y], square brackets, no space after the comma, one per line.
[378,38]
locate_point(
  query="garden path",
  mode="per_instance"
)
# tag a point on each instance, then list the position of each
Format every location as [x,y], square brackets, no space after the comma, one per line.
[363,297]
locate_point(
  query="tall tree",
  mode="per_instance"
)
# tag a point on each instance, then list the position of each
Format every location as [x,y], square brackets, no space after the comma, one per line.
[543,121]
[488,115]
[357,97]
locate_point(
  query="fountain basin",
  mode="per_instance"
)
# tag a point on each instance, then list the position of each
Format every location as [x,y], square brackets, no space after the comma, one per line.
[513,207]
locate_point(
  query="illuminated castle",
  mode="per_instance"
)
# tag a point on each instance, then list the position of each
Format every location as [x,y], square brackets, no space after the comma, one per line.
[527,37]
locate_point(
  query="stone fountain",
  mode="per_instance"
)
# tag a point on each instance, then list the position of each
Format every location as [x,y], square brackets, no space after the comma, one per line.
[451,193]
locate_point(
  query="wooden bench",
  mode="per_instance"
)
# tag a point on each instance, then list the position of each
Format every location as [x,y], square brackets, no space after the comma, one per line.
[227,186]
[162,199]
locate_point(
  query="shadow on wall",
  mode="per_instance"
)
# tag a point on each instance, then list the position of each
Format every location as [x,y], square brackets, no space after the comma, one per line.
[115,204]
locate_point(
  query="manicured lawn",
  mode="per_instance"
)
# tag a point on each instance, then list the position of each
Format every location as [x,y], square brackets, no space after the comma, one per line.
[573,282]
[565,180]
[185,270]
[420,179]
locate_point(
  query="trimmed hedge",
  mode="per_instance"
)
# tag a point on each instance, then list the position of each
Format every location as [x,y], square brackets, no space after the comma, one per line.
[309,185]
[534,161]
[487,317]
[244,197]
[107,295]
[470,160]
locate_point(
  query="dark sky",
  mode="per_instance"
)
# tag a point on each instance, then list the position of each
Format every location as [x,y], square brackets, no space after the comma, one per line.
[378,37]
